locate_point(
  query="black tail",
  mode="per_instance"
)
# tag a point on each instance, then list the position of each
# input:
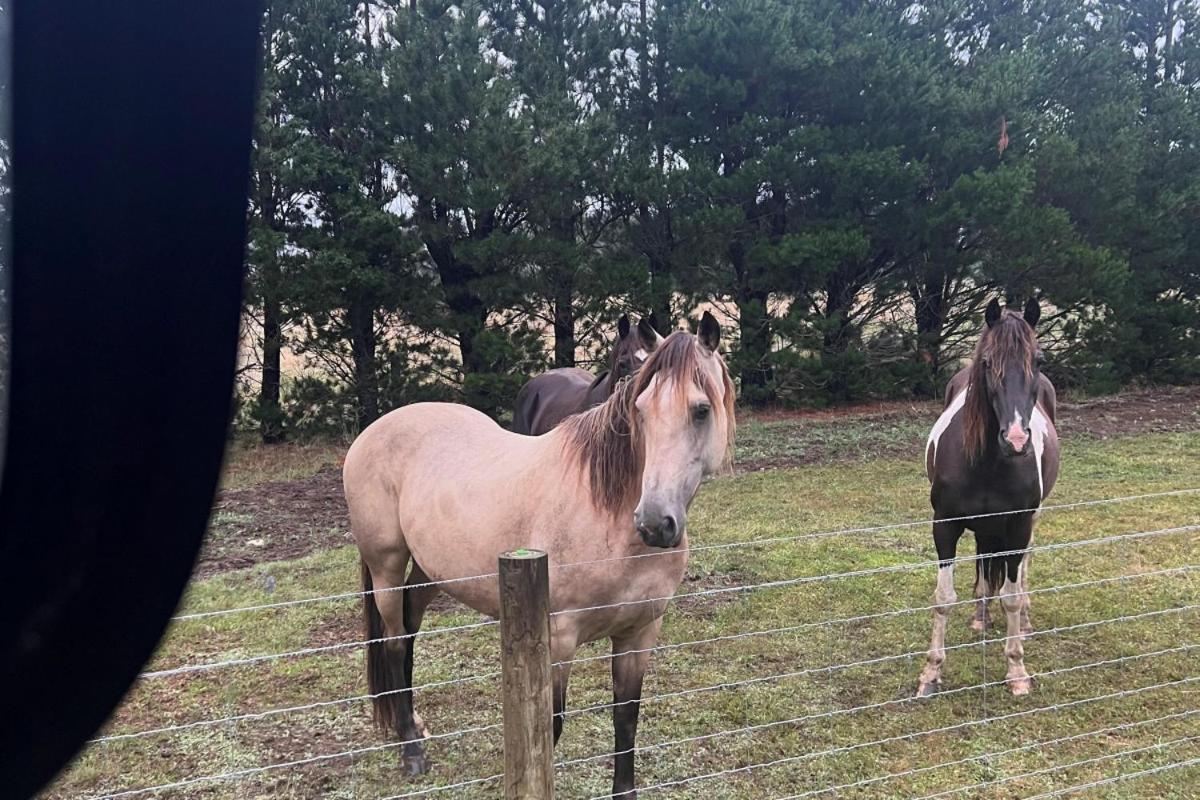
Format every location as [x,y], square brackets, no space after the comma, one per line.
[380,675]
[994,570]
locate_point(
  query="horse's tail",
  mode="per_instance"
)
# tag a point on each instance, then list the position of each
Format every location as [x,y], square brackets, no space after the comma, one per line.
[381,684]
[993,570]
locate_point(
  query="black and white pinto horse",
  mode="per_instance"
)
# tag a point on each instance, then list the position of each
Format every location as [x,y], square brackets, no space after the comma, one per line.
[994,449]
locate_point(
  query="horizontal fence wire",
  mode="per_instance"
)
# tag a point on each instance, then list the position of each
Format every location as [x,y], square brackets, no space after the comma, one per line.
[875,616]
[908,773]
[250,660]
[867,662]
[310,651]
[250,716]
[959,726]
[905,567]
[446,788]
[699,549]
[273,712]
[798,537]
[1127,776]
[326,598]
[1060,767]
[872,706]
[258,770]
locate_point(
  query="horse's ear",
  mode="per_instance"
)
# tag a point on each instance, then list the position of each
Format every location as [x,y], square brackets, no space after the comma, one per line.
[710,332]
[653,322]
[992,314]
[623,326]
[647,332]
[1033,312]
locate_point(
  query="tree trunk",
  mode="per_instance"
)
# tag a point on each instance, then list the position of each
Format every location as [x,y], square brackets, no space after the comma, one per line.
[660,294]
[269,409]
[362,346]
[754,325]
[930,304]
[563,300]
[838,334]
[564,322]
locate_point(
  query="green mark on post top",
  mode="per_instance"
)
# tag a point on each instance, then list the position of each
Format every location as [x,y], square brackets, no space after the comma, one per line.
[524,552]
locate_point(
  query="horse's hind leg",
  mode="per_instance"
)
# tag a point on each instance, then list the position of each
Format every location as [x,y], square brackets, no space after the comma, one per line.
[981,619]
[945,539]
[1026,623]
[389,662]
[418,593]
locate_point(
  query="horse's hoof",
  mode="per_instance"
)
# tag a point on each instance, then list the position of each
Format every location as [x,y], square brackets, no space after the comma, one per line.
[415,763]
[927,689]
[1020,686]
[980,625]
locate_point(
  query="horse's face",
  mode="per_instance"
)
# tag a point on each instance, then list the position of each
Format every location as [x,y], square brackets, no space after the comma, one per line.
[1012,386]
[685,421]
[634,345]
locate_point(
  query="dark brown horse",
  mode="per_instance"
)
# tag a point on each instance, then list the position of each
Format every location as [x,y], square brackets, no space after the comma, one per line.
[994,449]
[553,396]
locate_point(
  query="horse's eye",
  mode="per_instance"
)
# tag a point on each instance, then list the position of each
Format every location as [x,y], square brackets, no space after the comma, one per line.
[701,412]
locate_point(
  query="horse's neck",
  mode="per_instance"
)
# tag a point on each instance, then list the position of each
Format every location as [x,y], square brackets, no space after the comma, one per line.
[600,389]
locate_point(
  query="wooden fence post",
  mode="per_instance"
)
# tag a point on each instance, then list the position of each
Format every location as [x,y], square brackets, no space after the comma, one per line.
[526,682]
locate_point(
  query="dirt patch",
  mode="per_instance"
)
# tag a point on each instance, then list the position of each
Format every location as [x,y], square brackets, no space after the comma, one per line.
[1167,410]
[275,521]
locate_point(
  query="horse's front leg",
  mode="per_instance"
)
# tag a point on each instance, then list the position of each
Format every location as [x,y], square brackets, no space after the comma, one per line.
[629,663]
[945,540]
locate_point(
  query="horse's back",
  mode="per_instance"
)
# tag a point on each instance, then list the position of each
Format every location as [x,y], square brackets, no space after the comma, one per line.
[548,399]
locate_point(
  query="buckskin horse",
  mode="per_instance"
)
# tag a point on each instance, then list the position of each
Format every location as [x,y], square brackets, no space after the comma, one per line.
[444,489]
[551,397]
[993,450]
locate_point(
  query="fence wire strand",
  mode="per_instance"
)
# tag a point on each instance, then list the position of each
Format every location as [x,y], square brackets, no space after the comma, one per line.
[906,567]
[866,662]
[258,770]
[273,712]
[986,756]
[871,706]
[877,615]
[1141,773]
[198,615]
[1061,767]
[309,651]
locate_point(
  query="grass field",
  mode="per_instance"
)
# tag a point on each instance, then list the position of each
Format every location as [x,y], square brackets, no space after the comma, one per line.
[800,476]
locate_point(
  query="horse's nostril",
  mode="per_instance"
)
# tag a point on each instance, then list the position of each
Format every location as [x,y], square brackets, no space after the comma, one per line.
[668,526]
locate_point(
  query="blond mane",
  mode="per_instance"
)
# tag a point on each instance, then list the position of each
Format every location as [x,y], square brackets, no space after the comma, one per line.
[605,442]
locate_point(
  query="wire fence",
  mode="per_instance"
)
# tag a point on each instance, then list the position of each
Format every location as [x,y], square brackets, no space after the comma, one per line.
[573,769]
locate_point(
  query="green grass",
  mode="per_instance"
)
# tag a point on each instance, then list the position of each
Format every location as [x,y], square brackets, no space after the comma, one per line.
[751,506]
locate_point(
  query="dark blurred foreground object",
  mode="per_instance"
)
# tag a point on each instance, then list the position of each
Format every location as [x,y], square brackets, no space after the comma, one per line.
[131,136]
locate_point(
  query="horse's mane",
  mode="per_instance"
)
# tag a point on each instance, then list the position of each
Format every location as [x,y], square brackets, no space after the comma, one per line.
[605,440]
[1008,344]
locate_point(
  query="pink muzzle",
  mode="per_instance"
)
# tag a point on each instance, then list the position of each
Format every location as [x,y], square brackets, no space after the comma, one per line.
[1017,437]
